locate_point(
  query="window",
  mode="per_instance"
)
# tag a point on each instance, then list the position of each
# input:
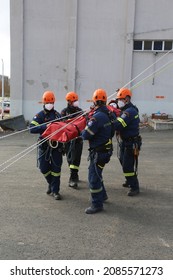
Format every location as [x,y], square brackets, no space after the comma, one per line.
[147,45]
[137,45]
[168,45]
[153,45]
[158,45]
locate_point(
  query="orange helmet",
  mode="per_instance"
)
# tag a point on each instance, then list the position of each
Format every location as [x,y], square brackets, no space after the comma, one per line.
[48,97]
[99,95]
[71,96]
[123,92]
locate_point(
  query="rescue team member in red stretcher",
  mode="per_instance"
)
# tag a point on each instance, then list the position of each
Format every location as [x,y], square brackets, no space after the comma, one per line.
[73,148]
[99,131]
[127,127]
[49,158]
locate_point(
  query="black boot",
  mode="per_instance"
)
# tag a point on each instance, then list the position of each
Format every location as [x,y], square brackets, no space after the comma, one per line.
[93,209]
[133,192]
[49,191]
[57,196]
[74,179]
[125,185]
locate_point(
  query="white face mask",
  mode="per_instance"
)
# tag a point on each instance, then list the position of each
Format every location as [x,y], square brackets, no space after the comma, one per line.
[49,106]
[113,105]
[76,103]
[121,104]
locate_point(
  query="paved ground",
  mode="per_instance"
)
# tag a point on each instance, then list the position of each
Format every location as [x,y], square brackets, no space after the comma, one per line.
[35,226]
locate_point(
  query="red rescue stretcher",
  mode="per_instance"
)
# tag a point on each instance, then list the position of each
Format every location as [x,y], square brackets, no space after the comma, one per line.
[65,131]
[68,130]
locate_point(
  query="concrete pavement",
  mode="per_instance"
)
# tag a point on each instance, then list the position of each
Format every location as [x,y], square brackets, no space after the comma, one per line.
[35,226]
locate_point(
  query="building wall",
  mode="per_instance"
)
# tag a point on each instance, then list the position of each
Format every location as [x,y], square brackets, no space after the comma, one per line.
[102,46]
[84,45]
[40,52]
[153,21]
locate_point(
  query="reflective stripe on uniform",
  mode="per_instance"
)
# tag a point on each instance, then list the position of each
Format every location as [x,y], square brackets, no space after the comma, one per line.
[72,166]
[129,174]
[122,122]
[137,116]
[55,174]
[100,166]
[35,123]
[107,124]
[47,174]
[89,130]
[96,191]
[108,143]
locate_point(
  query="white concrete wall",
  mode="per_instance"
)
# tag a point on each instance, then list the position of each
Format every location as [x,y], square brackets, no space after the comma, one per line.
[68,45]
[153,21]
[83,45]
[45,48]
[104,46]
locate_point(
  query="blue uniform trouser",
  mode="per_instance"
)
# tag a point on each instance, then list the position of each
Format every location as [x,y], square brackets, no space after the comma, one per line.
[96,185]
[127,160]
[50,162]
[74,152]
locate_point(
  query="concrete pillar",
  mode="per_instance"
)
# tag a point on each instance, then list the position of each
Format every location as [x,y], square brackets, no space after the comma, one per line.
[72,45]
[17,58]
[128,49]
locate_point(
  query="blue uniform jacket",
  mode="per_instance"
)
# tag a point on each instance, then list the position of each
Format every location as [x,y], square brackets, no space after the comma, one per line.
[70,112]
[128,122]
[98,128]
[40,120]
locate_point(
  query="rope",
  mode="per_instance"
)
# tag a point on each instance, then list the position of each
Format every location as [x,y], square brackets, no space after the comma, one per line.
[27,129]
[147,68]
[143,72]
[158,71]
[134,86]
[32,147]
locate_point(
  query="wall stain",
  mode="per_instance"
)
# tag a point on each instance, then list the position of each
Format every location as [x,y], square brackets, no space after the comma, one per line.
[45,84]
[30,82]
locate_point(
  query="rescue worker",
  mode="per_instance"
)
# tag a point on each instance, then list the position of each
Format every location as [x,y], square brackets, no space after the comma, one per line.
[73,149]
[99,133]
[49,157]
[127,126]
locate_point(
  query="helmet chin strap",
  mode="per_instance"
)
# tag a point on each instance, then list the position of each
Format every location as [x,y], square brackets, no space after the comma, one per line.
[127,100]
[99,103]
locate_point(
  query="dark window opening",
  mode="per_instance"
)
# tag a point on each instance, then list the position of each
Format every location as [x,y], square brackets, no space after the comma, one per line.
[147,45]
[168,45]
[137,45]
[158,45]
